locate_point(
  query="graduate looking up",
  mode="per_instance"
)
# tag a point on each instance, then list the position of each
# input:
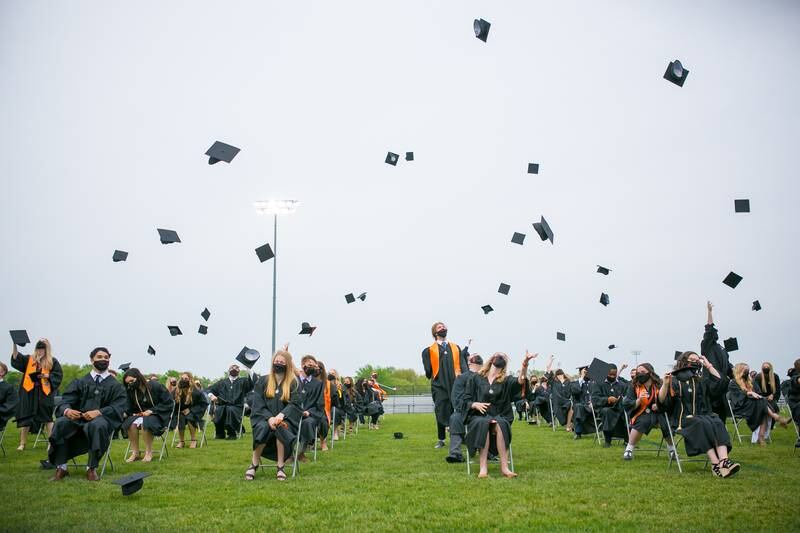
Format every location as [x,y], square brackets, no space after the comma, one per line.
[443,362]
[37,389]
[716,354]
[229,394]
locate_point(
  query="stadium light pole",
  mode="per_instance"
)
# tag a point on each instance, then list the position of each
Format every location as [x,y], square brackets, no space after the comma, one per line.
[275,208]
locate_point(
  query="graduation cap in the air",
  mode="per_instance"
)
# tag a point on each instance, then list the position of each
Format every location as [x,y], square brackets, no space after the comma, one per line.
[174,330]
[582,367]
[561,336]
[205,314]
[264,253]
[349,298]
[124,366]
[168,236]
[119,255]
[741,206]
[756,306]
[307,329]
[533,168]
[544,231]
[131,483]
[603,270]
[391,159]
[504,288]
[362,296]
[676,73]
[203,329]
[220,151]
[487,309]
[732,280]
[409,156]
[731,344]
[248,357]
[604,299]
[518,238]
[599,369]
[151,350]
[612,346]
[678,353]
[20,337]
[481,28]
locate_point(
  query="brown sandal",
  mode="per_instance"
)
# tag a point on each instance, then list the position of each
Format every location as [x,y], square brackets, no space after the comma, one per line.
[180,444]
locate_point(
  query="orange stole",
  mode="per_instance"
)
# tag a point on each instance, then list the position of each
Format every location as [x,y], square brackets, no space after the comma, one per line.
[653,395]
[434,350]
[27,382]
[327,394]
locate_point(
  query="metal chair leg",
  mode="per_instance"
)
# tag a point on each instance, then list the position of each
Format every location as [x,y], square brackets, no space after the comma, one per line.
[297,448]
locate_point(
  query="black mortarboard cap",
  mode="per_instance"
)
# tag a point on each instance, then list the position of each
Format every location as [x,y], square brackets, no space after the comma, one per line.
[205,314]
[168,236]
[731,344]
[756,306]
[604,299]
[203,329]
[533,168]
[391,159]
[220,151]
[561,336]
[409,156]
[264,253]
[349,298]
[174,330]
[398,435]
[732,280]
[582,367]
[248,357]
[678,353]
[676,73]
[504,288]
[612,346]
[131,483]
[487,309]
[518,238]
[362,296]
[544,231]
[741,206]
[151,350]
[481,28]
[307,329]
[119,255]
[598,370]
[124,366]
[20,337]
[603,270]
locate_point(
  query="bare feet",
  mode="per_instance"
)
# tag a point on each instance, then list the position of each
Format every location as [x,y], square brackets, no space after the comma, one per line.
[483,475]
[192,444]
[180,444]
[133,457]
[148,457]
[509,474]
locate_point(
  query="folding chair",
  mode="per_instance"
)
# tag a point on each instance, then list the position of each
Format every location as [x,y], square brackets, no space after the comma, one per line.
[510,455]
[736,421]
[638,449]
[594,418]
[163,437]
[676,456]
[2,436]
[241,426]
[553,417]
[39,437]
[206,420]
[106,460]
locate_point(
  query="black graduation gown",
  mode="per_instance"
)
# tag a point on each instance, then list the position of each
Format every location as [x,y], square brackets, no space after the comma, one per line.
[753,411]
[611,416]
[155,398]
[793,395]
[72,438]
[350,403]
[500,396]
[560,394]
[689,413]
[230,402]
[767,389]
[264,408]
[8,402]
[35,407]
[541,400]
[459,402]
[197,410]
[718,357]
[442,384]
[581,392]
[313,401]
[650,417]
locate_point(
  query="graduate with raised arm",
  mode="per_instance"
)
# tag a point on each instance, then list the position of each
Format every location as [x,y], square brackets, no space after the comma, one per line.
[228,394]
[715,353]
[460,409]
[90,410]
[443,362]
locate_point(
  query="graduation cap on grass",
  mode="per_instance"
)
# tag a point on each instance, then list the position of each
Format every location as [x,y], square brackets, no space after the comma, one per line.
[248,357]
[20,337]
[131,483]
[174,331]
[168,236]
[731,344]
[599,369]
[220,151]
[307,329]
[398,435]
[119,255]
[264,253]
[504,288]
[676,73]
[544,231]
[518,238]
[732,280]
[487,309]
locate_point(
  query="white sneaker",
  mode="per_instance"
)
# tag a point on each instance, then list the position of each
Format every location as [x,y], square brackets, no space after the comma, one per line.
[628,455]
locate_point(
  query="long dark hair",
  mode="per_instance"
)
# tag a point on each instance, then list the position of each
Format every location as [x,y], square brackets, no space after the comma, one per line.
[135,373]
[361,386]
[653,376]
[683,360]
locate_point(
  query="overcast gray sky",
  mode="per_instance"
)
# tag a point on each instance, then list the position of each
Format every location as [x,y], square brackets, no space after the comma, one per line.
[107,108]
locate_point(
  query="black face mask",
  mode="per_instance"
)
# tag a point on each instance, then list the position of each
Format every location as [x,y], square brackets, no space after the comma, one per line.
[499,362]
[131,385]
[642,378]
[233,373]
[310,372]
[331,377]
[279,368]
[184,384]
[348,385]
[765,371]
[101,365]
[442,333]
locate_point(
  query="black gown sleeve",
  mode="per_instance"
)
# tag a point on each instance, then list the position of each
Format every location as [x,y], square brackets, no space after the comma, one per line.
[292,410]
[8,401]
[426,363]
[260,409]
[56,375]
[117,401]
[599,396]
[737,395]
[199,403]
[629,400]
[72,397]
[20,362]
[163,402]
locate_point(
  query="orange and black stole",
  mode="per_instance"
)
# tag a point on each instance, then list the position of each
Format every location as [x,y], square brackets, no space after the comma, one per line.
[434,351]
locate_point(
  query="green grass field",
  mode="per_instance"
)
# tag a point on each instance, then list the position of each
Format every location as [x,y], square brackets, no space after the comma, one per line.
[374,482]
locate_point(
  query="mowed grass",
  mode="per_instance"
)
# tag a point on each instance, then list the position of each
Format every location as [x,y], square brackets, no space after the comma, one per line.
[374,482]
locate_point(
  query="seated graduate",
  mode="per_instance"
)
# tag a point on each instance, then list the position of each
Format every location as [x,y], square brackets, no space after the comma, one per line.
[768,386]
[228,395]
[8,398]
[325,421]
[522,406]
[607,403]
[190,409]
[581,391]
[37,389]
[90,410]
[370,405]
[562,399]
[312,403]
[793,395]
[274,415]
[489,395]
[716,354]
[541,399]
[378,397]
[641,402]
[148,409]
[337,402]
[460,408]
[684,395]
[172,384]
[530,395]
[350,402]
[751,406]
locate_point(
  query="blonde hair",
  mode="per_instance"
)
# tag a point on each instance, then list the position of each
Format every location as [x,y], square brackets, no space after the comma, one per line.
[771,377]
[184,396]
[45,362]
[745,384]
[487,366]
[288,378]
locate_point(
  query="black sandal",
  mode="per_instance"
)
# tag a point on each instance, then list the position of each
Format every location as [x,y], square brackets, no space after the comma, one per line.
[248,476]
[280,474]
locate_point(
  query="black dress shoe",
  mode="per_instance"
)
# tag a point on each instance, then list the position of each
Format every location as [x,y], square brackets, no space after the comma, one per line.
[577,436]
[454,459]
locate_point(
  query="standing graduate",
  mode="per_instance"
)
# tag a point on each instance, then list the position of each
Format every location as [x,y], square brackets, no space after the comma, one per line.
[581,391]
[312,403]
[641,402]
[460,409]
[751,406]
[37,389]
[149,408]
[275,415]
[8,398]
[228,394]
[683,394]
[443,362]
[715,353]
[607,403]
[793,395]
[489,395]
[190,409]
[767,385]
[89,412]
